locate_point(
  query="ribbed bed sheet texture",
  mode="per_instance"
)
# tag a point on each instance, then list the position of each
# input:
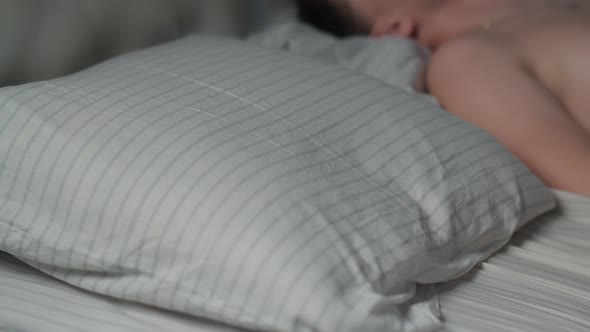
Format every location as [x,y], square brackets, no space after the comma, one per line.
[539,282]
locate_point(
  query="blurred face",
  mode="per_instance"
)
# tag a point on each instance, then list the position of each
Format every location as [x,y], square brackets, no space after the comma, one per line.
[429,22]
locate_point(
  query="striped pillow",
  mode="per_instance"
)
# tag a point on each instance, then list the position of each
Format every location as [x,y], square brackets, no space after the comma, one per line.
[252,186]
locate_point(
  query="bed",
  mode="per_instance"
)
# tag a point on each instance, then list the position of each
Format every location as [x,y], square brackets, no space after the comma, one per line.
[110,190]
[539,282]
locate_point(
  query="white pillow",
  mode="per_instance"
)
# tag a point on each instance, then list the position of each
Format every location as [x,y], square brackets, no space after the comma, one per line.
[253,186]
[397,61]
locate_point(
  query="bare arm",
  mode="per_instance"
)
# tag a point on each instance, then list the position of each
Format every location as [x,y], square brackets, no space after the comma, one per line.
[483,84]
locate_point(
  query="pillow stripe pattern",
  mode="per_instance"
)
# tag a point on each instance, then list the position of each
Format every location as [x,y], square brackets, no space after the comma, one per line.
[254,187]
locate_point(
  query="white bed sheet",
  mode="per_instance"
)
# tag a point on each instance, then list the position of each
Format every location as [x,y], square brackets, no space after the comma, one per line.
[539,282]
[32,302]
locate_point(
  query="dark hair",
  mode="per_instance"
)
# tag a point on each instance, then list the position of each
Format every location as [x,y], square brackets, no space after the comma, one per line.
[327,16]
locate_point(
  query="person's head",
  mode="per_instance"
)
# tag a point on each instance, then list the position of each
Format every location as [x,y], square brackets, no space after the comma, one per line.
[430,22]
[333,16]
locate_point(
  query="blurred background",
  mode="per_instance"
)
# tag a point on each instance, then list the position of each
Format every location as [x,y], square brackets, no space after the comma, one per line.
[42,39]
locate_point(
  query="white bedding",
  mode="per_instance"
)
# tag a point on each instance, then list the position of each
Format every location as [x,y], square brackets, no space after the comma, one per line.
[538,283]
[255,187]
[31,301]
[396,61]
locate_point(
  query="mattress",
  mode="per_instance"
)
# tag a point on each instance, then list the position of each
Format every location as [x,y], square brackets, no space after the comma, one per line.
[539,282]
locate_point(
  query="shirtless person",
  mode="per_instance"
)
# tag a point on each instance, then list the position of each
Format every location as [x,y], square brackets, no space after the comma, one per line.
[519,69]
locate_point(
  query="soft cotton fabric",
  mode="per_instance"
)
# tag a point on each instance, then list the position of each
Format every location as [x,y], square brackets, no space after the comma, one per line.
[252,186]
[396,61]
[549,294]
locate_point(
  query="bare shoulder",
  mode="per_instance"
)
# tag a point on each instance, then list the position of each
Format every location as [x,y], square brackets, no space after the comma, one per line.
[469,74]
[470,58]
[472,49]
